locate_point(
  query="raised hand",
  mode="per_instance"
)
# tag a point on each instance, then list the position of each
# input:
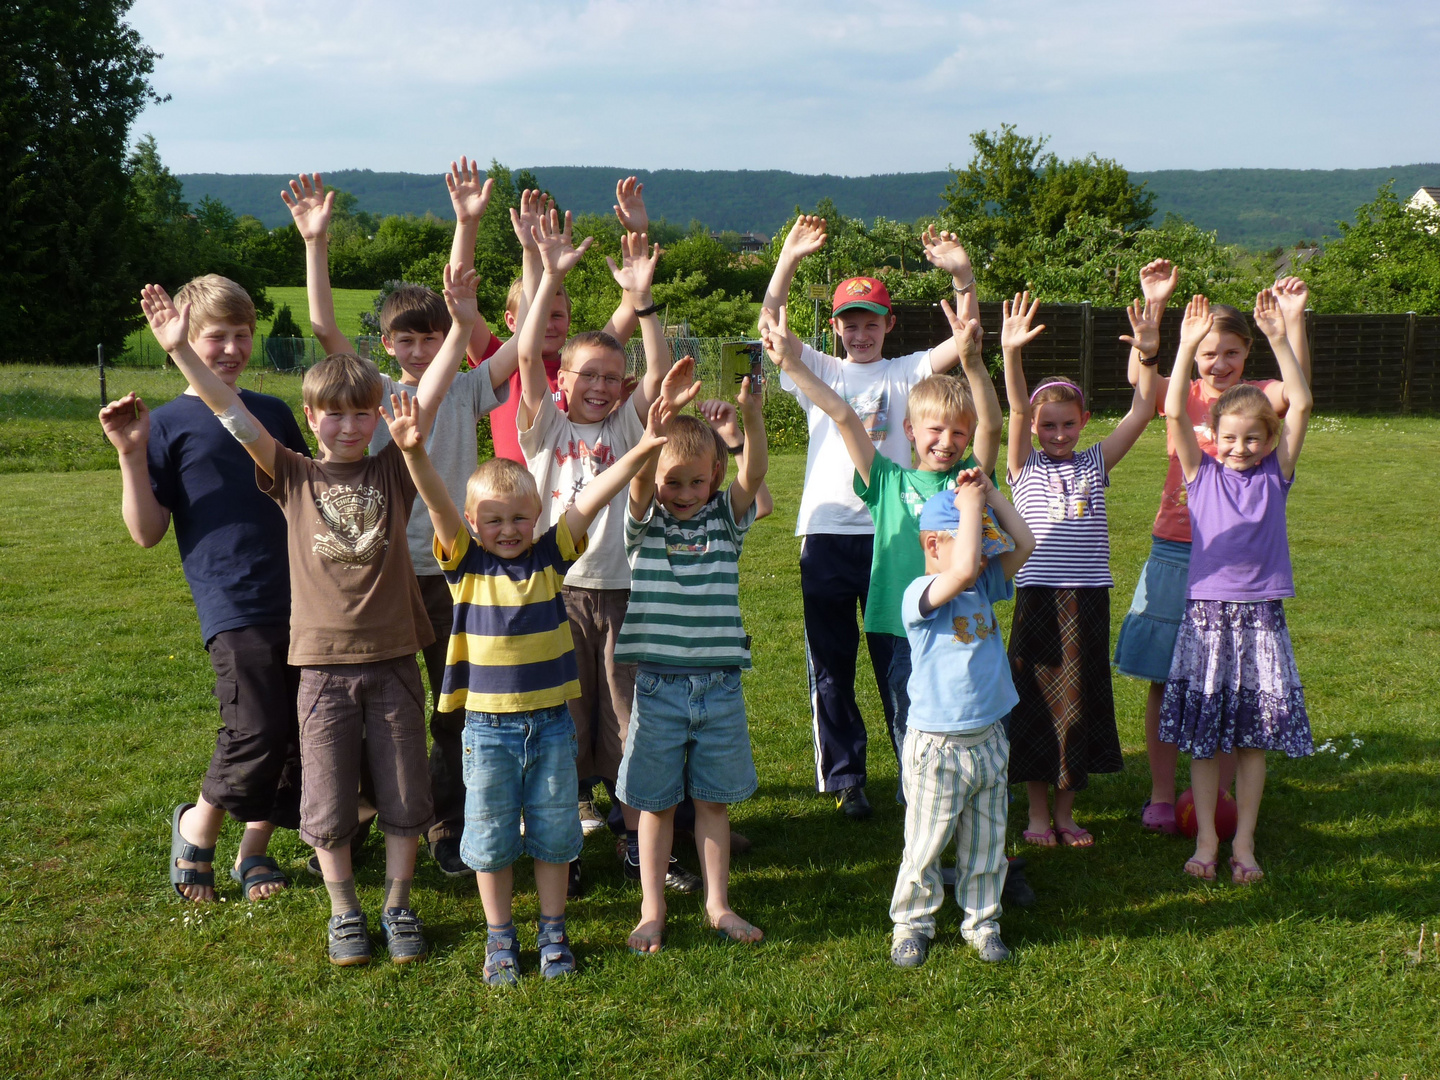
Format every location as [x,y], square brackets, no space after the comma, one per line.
[1293,294]
[1268,315]
[780,345]
[657,420]
[460,295]
[630,205]
[967,333]
[533,206]
[310,205]
[720,415]
[170,326]
[1158,280]
[403,420]
[469,193]
[805,237]
[678,388]
[970,490]
[558,253]
[1197,323]
[748,403]
[1144,326]
[126,423]
[1016,331]
[637,269]
[944,250]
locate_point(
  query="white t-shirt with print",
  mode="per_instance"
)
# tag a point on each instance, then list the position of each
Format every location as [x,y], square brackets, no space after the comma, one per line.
[878,393]
[563,457]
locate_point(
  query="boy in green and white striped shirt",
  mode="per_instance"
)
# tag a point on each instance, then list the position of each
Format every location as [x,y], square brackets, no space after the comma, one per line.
[688,735]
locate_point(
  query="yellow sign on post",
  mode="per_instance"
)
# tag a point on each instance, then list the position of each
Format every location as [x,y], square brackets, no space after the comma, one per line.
[739,359]
[819,292]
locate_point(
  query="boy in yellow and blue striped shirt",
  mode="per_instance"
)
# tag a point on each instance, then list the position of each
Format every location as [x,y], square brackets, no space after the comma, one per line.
[511,665]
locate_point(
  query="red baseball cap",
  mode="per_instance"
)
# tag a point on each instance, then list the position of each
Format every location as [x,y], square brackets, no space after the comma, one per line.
[861,292]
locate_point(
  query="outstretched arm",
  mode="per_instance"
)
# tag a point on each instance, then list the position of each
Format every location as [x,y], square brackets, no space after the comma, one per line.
[755,458]
[435,383]
[1198,322]
[407,433]
[962,568]
[780,346]
[558,256]
[945,251]
[469,197]
[805,237]
[634,218]
[126,424]
[596,495]
[967,340]
[634,275]
[721,416]
[310,205]
[1157,284]
[1293,295]
[1270,318]
[1015,333]
[171,329]
[1144,340]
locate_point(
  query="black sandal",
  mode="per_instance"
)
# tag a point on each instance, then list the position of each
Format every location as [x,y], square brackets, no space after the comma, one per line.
[182,849]
[248,881]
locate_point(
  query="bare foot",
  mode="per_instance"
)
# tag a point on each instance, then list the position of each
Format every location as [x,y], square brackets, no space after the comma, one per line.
[735,928]
[201,894]
[648,937]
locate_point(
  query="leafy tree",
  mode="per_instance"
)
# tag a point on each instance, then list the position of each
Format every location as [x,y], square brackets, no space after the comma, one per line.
[1013,196]
[1387,259]
[73,77]
[285,325]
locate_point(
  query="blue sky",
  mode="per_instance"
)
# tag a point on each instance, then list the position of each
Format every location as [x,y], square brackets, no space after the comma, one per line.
[839,87]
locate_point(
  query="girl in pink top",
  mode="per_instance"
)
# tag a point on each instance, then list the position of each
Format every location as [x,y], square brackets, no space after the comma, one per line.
[1146,642]
[1233,685]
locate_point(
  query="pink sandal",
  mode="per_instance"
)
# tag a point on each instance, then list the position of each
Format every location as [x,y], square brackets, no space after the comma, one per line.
[1076,837]
[1241,874]
[1039,839]
[1203,870]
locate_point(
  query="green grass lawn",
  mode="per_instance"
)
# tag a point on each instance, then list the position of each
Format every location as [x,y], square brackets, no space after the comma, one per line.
[1125,967]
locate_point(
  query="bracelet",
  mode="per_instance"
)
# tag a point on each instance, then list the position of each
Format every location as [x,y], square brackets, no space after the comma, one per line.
[964,288]
[1150,361]
[735,451]
[640,313]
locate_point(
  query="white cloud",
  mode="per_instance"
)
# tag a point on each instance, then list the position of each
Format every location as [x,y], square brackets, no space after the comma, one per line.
[838,87]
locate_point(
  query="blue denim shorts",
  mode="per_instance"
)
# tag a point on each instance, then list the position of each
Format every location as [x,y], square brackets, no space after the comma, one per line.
[687,737]
[514,764]
[1147,636]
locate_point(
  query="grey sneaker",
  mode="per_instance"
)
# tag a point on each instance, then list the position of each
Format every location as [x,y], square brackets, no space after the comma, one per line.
[990,948]
[853,804]
[404,935]
[910,951]
[348,941]
[590,819]
[446,854]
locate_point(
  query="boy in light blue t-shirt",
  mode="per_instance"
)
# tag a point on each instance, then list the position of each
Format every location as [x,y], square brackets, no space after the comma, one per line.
[955,758]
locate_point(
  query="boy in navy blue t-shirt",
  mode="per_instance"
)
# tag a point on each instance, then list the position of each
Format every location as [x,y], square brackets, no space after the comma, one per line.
[178,463]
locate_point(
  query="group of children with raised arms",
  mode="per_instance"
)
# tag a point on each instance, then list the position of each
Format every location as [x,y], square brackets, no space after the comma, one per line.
[578,609]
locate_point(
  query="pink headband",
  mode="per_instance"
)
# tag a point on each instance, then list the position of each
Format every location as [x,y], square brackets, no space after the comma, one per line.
[1059,382]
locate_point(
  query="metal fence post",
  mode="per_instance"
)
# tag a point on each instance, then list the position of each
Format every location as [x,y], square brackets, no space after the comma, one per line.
[1087,349]
[1409,363]
[100,357]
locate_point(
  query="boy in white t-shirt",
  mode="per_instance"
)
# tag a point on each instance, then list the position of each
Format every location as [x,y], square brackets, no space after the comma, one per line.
[565,449]
[836,529]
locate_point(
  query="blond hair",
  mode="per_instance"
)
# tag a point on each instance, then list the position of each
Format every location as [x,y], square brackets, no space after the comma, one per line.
[215,299]
[688,438]
[594,339]
[1249,401]
[342,381]
[502,477]
[940,396]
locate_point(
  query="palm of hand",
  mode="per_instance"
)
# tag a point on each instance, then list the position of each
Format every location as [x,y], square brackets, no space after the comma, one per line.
[1157,283]
[469,201]
[169,329]
[1292,304]
[944,250]
[805,239]
[1014,333]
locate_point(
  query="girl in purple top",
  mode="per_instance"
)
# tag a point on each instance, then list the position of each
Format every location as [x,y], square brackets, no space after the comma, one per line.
[1233,683]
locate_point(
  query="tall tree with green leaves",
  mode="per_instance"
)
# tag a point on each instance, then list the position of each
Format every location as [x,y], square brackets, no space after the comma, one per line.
[1014,196]
[1387,259]
[73,77]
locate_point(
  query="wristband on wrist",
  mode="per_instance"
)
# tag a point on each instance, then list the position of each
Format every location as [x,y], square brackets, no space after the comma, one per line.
[964,288]
[735,451]
[1150,361]
[640,313]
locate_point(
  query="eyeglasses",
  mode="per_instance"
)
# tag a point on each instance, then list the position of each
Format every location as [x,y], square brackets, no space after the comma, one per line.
[612,381]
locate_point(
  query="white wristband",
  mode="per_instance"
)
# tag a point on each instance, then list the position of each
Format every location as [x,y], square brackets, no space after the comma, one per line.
[239,424]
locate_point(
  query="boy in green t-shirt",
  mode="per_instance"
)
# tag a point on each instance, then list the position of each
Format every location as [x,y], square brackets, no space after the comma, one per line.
[945,418]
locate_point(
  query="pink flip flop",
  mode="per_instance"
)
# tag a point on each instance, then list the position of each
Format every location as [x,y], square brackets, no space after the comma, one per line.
[1201,869]
[1045,838]
[1241,874]
[1076,837]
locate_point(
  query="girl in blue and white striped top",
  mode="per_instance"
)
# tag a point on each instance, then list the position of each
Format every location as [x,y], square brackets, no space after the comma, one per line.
[1063,728]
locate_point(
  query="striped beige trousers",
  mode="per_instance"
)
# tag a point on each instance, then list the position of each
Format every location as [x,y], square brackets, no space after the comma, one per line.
[955,785]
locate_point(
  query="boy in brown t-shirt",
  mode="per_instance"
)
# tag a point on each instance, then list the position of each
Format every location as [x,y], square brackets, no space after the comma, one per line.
[356,615]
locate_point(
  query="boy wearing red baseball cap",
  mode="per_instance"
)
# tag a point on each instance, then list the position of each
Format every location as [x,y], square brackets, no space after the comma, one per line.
[836,530]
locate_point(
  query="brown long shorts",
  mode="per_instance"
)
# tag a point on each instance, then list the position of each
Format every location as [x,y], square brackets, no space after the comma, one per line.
[602,711]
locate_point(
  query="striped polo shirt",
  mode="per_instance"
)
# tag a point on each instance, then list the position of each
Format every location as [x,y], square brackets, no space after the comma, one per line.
[1063,502]
[510,647]
[685,588]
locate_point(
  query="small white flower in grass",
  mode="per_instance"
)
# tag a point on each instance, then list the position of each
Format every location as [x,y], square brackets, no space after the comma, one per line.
[1344,755]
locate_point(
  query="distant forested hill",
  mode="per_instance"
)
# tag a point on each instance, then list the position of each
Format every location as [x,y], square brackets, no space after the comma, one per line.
[1258,208]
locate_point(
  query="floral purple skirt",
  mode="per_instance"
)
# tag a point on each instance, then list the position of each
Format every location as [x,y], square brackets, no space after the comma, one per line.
[1233,682]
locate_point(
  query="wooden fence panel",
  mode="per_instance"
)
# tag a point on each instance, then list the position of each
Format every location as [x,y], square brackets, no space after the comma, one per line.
[1358,362]
[1425,365]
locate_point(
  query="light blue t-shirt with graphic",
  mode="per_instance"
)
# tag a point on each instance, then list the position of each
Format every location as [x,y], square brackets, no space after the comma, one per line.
[959,674]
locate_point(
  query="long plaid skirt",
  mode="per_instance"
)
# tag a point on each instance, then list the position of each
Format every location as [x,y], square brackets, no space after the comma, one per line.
[1063,729]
